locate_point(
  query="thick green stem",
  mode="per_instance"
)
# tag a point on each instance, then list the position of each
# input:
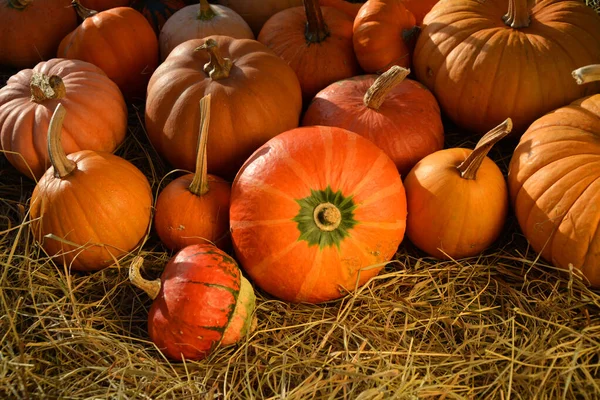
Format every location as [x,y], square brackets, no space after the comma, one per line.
[199,185]
[58,158]
[518,14]
[206,12]
[152,288]
[316,28]
[218,67]
[587,74]
[44,87]
[375,95]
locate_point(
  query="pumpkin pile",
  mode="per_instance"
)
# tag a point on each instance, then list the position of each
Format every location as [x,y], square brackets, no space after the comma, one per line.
[304,138]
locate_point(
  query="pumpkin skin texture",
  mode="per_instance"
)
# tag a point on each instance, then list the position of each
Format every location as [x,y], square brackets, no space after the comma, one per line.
[407,124]
[121,42]
[249,106]
[97,112]
[419,8]
[554,186]
[199,21]
[203,302]
[316,212]
[31,30]
[299,36]
[256,15]
[101,5]
[383,35]
[157,12]
[522,72]
[98,201]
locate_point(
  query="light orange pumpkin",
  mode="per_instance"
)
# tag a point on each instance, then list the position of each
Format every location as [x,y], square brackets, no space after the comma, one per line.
[256,14]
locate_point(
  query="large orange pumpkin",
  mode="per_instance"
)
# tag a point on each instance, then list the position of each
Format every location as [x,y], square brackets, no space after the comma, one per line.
[315,213]
[31,30]
[97,112]
[255,13]
[399,115]
[485,60]
[554,183]
[255,96]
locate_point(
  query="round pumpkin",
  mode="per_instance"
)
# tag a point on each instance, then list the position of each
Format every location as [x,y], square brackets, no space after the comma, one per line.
[316,42]
[457,199]
[158,12]
[419,8]
[256,14]
[31,30]
[97,112]
[397,114]
[194,208]
[101,5]
[484,60]
[201,301]
[384,33]
[199,21]
[118,40]
[89,208]
[251,106]
[315,213]
[554,183]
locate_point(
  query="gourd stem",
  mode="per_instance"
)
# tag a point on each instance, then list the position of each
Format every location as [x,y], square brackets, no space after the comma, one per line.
[61,164]
[218,67]
[316,29]
[589,73]
[468,168]
[44,87]
[376,94]
[327,216]
[206,12]
[82,11]
[199,185]
[518,14]
[19,4]
[152,288]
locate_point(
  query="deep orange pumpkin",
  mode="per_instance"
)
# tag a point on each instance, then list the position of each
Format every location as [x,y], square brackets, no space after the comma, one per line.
[347,7]
[256,14]
[399,115]
[482,67]
[120,41]
[101,5]
[419,8]
[201,301]
[251,106]
[315,213]
[97,112]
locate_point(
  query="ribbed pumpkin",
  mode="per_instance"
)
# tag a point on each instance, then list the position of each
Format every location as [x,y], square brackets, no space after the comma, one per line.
[397,114]
[194,208]
[201,301]
[101,5]
[315,213]
[118,40]
[315,42]
[384,34]
[158,12]
[484,60]
[457,199]
[256,14]
[97,112]
[255,96]
[554,182]
[199,21]
[31,30]
[89,208]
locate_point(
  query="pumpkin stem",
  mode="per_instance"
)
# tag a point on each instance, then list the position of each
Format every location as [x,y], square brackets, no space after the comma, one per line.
[206,12]
[587,74]
[517,15]
[82,11]
[199,185]
[218,67]
[44,87]
[375,95]
[316,29]
[61,164]
[468,168]
[152,288]
[327,216]
[19,4]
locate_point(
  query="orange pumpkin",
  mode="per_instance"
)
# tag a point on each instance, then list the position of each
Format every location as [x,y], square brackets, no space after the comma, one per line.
[194,208]
[89,208]
[315,213]
[201,301]
[30,30]
[315,42]
[399,115]
[250,105]
[120,41]
[98,113]
[384,33]
[457,199]
[256,14]
[419,8]
[101,5]
[555,187]
[482,69]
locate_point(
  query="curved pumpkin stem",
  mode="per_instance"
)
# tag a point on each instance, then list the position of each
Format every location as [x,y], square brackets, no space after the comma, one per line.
[468,168]
[375,95]
[152,288]
[61,164]
[218,67]
[587,74]
[199,185]
[316,28]
[518,14]
[19,4]
[44,87]
[206,12]
[82,11]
